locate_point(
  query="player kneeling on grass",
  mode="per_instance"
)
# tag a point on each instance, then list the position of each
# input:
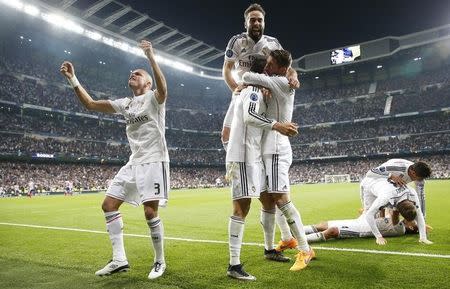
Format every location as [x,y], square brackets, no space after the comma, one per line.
[145,178]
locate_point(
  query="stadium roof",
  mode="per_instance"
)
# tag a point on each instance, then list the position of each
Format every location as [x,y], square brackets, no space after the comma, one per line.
[124,23]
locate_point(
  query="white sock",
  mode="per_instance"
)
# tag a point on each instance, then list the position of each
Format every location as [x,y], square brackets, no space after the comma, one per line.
[157,235]
[280,219]
[310,229]
[236,232]
[268,223]
[315,237]
[114,226]
[295,223]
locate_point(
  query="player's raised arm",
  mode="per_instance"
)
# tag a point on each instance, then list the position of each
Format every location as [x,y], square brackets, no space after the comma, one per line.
[68,71]
[160,80]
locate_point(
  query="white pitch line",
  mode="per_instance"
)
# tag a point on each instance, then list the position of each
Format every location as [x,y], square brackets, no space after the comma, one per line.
[225,242]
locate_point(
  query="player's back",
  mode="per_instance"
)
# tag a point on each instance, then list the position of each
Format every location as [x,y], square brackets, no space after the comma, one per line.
[245,140]
[397,167]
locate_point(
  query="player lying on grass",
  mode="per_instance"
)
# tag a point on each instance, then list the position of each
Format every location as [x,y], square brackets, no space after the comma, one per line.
[389,226]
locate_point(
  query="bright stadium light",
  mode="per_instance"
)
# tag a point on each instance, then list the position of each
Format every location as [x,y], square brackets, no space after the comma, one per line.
[351,71]
[379,66]
[31,10]
[71,26]
[54,19]
[62,21]
[93,35]
[14,4]
[316,77]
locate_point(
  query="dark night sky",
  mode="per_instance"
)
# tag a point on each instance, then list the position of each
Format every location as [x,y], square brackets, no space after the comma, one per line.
[301,26]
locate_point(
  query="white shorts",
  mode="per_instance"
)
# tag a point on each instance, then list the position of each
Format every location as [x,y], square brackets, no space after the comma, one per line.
[230,112]
[277,172]
[246,179]
[137,184]
[353,228]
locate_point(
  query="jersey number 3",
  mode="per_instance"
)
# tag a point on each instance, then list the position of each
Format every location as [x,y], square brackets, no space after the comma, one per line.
[158,190]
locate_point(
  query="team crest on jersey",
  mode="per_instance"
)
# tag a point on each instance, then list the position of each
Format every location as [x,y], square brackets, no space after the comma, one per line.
[254,97]
[253,189]
[229,53]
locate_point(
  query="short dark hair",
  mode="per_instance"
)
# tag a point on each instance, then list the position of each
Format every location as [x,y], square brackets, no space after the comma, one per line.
[258,63]
[282,57]
[254,7]
[407,209]
[422,170]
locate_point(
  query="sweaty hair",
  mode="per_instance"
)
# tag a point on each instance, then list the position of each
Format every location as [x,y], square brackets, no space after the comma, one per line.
[254,7]
[258,63]
[282,57]
[422,170]
[407,209]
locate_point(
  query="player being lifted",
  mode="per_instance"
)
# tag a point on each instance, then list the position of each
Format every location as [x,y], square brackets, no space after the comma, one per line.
[277,154]
[244,164]
[145,178]
[387,184]
[238,56]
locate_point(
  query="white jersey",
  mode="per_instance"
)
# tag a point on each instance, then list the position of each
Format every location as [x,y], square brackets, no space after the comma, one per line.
[396,167]
[246,128]
[280,107]
[360,228]
[31,186]
[388,229]
[241,47]
[145,119]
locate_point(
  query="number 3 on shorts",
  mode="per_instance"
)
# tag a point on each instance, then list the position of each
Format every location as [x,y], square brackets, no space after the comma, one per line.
[157,189]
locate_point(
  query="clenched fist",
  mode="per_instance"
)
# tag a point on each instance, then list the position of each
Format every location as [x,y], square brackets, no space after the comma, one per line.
[147,47]
[67,69]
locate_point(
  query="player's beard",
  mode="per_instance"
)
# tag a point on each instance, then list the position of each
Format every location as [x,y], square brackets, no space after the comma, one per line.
[255,35]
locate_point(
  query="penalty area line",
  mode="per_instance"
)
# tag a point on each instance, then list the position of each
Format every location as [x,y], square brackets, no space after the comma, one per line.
[353,250]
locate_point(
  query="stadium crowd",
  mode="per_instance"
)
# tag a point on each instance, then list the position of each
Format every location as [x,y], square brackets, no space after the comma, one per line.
[15,177]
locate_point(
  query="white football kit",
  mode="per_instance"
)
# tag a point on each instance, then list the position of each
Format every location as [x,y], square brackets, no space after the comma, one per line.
[376,182]
[146,175]
[276,148]
[359,228]
[244,159]
[380,193]
[241,49]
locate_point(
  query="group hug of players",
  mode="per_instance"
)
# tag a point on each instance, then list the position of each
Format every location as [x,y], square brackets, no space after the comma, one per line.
[256,133]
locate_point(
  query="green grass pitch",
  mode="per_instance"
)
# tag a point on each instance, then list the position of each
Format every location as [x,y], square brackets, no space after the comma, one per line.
[47,258]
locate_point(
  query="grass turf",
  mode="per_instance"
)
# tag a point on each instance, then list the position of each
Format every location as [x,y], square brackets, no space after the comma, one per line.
[43,258]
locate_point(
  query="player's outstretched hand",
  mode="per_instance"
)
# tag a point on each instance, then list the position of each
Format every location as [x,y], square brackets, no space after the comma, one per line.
[147,47]
[425,241]
[381,241]
[67,69]
[286,128]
